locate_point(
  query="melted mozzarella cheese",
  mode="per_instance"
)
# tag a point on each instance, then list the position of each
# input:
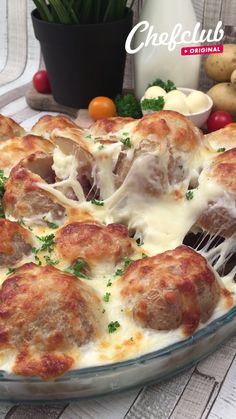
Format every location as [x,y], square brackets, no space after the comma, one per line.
[62,163]
[103,175]
[162,221]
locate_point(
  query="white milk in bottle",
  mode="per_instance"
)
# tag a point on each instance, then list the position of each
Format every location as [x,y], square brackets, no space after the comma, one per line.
[153,62]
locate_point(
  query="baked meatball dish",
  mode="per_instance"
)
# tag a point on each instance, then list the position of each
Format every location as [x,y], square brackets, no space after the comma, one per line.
[219,217]
[23,197]
[223,138]
[93,265]
[16,242]
[170,289]
[9,128]
[44,310]
[94,243]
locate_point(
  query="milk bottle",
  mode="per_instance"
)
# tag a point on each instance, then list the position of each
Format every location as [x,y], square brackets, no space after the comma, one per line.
[152,62]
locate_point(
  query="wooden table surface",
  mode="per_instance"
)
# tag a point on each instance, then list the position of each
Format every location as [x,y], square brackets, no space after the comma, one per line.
[206,391]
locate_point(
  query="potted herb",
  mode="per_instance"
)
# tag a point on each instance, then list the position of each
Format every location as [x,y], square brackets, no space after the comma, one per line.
[83,45]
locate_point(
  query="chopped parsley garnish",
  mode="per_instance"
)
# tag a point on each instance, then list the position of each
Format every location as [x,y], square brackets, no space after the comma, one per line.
[221,150]
[88,136]
[101,147]
[15,285]
[125,134]
[153,104]
[21,222]
[109,284]
[119,272]
[113,326]
[127,261]
[48,243]
[144,256]
[53,226]
[126,142]
[97,202]
[39,263]
[3,180]
[50,225]
[50,261]
[106,297]
[189,195]
[77,268]
[10,271]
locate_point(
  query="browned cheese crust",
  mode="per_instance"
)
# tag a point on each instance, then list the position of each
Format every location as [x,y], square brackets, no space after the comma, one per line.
[16,242]
[179,130]
[94,243]
[45,125]
[172,139]
[220,215]
[15,149]
[109,125]
[171,289]
[9,128]
[44,314]
[225,137]
[22,197]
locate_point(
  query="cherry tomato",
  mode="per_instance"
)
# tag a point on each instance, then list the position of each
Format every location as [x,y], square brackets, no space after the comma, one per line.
[41,82]
[101,107]
[218,120]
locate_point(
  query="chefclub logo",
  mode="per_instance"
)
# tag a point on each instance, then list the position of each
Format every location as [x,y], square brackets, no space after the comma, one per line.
[214,49]
[177,37]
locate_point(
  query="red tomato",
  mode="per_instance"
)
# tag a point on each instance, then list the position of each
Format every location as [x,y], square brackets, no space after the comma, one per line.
[218,120]
[41,82]
[101,107]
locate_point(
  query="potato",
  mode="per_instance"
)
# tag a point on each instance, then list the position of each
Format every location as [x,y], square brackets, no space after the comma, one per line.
[233,79]
[224,97]
[219,67]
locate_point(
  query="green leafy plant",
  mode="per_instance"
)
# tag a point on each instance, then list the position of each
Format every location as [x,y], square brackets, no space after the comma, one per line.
[82,11]
[153,104]
[167,86]
[128,105]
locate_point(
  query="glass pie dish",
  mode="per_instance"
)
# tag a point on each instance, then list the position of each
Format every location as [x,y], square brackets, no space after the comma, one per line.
[156,242]
[100,380]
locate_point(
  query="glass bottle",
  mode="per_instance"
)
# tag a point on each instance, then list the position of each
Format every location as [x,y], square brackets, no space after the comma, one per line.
[152,62]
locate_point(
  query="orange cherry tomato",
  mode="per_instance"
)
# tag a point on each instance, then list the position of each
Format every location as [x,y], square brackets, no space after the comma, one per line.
[101,107]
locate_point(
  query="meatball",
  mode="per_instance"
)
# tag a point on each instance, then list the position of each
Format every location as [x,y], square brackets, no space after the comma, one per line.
[47,123]
[171,289]
[219,217]
[170,140]
[223,138]
[45,314]
[71,142]
[22,197]
[109,125]
[9,128]
[94,243]
[16,242]
[15,149]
